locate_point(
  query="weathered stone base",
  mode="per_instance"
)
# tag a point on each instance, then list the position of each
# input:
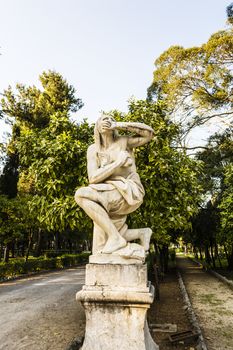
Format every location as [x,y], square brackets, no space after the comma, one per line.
[116,299]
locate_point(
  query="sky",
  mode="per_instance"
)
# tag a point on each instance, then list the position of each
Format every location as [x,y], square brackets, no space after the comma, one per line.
[105,48]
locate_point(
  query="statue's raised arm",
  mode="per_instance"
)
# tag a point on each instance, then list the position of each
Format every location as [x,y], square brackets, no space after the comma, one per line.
[144,133]
[115,189]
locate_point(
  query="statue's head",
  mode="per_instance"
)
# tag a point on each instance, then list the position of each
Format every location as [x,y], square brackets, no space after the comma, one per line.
[99,129]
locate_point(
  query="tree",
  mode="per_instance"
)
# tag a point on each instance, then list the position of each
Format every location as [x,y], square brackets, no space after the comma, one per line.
[53,165]
[11,223]
[169,176]
[52,158]
[204,232]
[33,107]
[217,155]
[210,228]
[226,215]
[50,150]
[230,13]
[196,83]
[9,176]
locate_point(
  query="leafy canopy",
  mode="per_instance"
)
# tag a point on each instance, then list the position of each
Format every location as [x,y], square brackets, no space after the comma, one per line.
[196,83]
[34,107]
[169,176]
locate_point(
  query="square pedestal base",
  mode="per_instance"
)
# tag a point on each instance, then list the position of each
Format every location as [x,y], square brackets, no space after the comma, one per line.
[116,308]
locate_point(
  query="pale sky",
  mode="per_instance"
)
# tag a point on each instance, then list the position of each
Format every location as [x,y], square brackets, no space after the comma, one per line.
[104,48]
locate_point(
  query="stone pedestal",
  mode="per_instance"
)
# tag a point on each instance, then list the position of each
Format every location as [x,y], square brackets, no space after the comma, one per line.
[116,298]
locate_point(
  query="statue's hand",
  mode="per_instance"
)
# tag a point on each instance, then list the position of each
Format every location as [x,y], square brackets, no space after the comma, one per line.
[128,162]
[125,158]
[109,124]
[113,125]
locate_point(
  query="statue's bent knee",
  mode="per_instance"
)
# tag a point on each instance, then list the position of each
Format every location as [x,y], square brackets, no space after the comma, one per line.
[79,194]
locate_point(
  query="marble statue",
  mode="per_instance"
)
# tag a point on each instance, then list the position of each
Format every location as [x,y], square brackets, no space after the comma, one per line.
[115,189]
[116,294]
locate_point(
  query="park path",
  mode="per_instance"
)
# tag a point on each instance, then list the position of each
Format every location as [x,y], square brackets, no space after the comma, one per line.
[40,312]
[212,302]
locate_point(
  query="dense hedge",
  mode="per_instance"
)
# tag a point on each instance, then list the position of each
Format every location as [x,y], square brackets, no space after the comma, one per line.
[19,266]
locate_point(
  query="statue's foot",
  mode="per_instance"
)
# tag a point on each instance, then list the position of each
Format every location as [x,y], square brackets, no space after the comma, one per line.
[131,251]
[114,244]
[145,235]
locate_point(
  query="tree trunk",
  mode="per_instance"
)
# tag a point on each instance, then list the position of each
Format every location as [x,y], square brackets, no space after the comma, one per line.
[226,252]
[13,250]
[6,253]
[217,255]
[230,260]
[70,246]
[156,270]
[57,243]
[200,252]
[23,250]
[212,256]
[29,244]
[164,258]
[38,243]
[166,253]
[207,255]
[195,252]
[156,275]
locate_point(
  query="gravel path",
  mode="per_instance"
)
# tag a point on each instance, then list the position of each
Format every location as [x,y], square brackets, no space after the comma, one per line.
[212,302]
[40,313]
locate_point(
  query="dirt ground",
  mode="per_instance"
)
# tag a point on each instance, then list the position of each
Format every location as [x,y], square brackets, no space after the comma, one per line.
[169,309]
[212,302]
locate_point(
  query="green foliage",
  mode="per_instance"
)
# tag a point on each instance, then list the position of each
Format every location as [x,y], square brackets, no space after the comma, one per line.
[169,176]
[11,219]
[230,13]
[196,83]
[54,160]
[205,225]
[218,154]
[34,107]
[212,226]
[52,156]
[226,208]
[18,267]
[51,152]
[9,176]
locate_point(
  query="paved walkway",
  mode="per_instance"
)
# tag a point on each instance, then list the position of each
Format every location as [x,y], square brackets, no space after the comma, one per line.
[40,312]
[212,302]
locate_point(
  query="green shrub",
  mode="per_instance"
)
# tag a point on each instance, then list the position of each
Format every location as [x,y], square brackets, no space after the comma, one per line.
[51,254]
[18,267]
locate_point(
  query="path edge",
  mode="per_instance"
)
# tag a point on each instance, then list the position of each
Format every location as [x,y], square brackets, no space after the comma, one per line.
[221,278]
[191,314]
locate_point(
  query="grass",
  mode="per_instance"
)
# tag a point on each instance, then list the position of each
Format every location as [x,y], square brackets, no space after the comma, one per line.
[228,335]
[210,299]
[222,312]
